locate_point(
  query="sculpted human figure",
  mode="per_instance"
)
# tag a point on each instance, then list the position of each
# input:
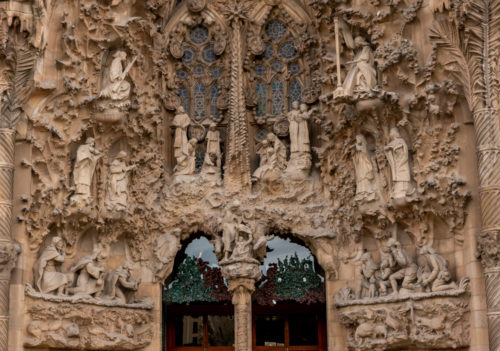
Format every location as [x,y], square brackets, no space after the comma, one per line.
[436,275]
[397,155]
[387,265]
[118,89]
[272,156]
[47,269]
[299,131]
[90,275]
[365,175]
[406,268]
[120,286]
[181,123]
[117,189]
[367,280]
[167,246]
[243,247]
[230,226]
[213,155]
[186,163]
[87,156]
[362,76]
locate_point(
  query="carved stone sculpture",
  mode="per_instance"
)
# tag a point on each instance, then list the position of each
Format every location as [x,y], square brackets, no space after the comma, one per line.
[397,155]
[230,224]
[167,246]
[272,158]
[186,163]
[406,269]
[118,89]
[119,285]
[435,275]
[365,173]
[87,156]
[300,149]
[47,275]
[368,280]
[181,123]
[117,189]
[362,76]
[213,154]
[89,274]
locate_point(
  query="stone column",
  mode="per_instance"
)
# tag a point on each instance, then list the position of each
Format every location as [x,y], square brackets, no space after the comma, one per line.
[242,290]
[488,154]
[241,276]
[8,249]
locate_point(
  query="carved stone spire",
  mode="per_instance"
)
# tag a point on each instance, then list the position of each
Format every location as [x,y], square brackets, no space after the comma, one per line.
[237,175]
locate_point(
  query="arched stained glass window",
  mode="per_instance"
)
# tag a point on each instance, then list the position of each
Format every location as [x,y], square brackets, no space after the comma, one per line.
[214,95]
[199,102]
[260,92]
[295,92]
[184,96]
[277,97]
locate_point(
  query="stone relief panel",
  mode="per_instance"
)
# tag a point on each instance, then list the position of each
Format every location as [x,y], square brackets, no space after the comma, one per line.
[330,121]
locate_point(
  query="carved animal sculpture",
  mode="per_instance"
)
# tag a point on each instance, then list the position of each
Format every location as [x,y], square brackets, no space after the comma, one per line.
[369,330]
[436,323]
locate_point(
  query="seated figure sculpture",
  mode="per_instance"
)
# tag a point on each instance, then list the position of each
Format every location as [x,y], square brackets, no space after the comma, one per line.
[367,281]
[435,276]
[47,269]
[406,269]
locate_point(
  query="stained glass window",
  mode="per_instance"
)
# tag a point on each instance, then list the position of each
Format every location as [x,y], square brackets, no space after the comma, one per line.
[295,92]
[184,96]
[198,70]
[277,66]
[261,134]
[294,68]
[277,97]
[287,50]
[214,95]
[260,92]
[260,70]
[181,74]
[215,72]
[199,101]
[198,35]
[189,55]
[276,30]
[199,158]
[268,51]
[208,54]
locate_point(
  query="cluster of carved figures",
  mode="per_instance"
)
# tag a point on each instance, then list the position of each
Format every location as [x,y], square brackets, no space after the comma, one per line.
[398,274]
[88,279]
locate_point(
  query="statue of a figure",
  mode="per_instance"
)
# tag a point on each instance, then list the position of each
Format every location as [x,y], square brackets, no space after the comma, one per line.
[397,155]
[299,131]
[181,123]
[365,174]
[47,269]
[387,265]
[87,156]
[167,246]
[272,156]
[213,155]
[362,76]
[90,275]
[120,286]
[436,275]
[186,163]
[230,225]
[243,247]
[406,268]
[117,189]
[118,89]
[367,281]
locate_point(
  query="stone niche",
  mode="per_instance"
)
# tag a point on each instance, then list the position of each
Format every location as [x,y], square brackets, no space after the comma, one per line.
[425,320]
[81,326]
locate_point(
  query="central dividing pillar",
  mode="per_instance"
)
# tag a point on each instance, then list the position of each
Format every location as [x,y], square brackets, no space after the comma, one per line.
[241,277]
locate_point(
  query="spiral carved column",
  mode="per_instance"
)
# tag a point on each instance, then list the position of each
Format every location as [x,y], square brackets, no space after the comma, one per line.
[488,154]
[8,249]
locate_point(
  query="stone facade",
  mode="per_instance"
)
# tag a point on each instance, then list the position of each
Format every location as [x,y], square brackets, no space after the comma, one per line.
[367,129]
